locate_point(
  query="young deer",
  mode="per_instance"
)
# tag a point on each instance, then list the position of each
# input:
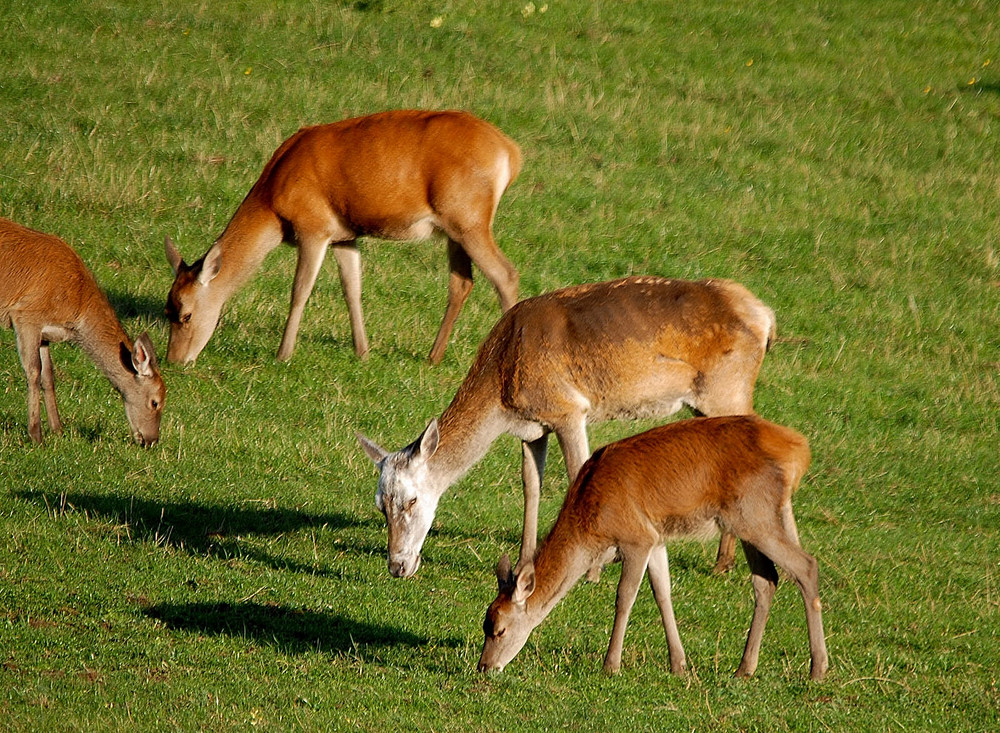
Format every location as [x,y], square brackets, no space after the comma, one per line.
[683,479]
[636,347]
[395,175]
[48,295]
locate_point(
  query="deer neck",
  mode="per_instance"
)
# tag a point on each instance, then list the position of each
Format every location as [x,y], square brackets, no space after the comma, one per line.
[102,338]
[253,233]
[468,428]
[560,562]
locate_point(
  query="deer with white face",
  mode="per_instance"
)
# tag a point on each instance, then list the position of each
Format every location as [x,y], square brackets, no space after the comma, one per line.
[629,348]
[678,480]
[402,174]
[48,295]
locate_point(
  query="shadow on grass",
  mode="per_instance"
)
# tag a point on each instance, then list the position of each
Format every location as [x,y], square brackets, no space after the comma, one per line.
[129,305]
[202,528]
[289,630]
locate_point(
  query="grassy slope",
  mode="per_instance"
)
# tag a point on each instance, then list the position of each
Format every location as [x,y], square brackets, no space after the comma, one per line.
[838,161]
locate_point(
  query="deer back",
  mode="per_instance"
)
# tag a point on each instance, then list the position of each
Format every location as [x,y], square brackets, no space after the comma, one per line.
[381,173]
[634,347]
[42,279]
[687,478]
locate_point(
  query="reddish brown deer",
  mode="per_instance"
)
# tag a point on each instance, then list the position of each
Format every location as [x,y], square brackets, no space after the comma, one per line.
[678,480]
[395,175]
[636,347]
[48,295]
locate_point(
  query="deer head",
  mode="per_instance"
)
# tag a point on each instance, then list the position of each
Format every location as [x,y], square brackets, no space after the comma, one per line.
[145,393]
[407,495]
[508,624]
[193,305]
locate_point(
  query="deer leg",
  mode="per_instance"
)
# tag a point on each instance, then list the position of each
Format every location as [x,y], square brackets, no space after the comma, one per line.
[725,558]
[572,437]
[658,570]
[532,472]
[633,566]
[576,450]
[483,250]
[49,389]
[459,287]
[349,266]
[29,349]
[311,254]
[803,569]
[727,390]
[765,581]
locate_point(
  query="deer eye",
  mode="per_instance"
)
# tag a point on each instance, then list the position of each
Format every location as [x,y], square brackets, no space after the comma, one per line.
[154,404]
[186,318]
[408,506]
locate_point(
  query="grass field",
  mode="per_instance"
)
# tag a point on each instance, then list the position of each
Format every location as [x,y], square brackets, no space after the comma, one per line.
[839,159]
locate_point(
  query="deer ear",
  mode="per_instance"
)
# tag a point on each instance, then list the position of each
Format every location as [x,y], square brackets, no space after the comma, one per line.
[211,265]
[144,356]
[505,575]
[525,583]
[372,449]
[506,582]
[173,256]
[429,440]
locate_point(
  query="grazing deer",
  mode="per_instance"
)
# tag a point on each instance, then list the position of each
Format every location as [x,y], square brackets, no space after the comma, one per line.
[395,175]
[635,347]
[48,295]
[678,480]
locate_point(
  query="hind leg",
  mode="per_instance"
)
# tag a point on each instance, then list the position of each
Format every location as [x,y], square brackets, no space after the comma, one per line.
[459,286]
[765,581]
[480,246]
[803,569]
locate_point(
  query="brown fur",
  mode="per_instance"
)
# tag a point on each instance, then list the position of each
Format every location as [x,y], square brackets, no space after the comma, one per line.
[47,294]
[736,472]
[395,175]
[638,346]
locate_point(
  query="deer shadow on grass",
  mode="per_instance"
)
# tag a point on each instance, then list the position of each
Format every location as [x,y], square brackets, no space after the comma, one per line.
[290,630]
[207,529]
[129,306]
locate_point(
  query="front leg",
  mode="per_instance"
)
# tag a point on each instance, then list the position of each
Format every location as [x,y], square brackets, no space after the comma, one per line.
[49,389]
[349,264]
[659,579]
[532,472]
[634,563]
[29,344]
[576,450]
[573,440]
[312,251]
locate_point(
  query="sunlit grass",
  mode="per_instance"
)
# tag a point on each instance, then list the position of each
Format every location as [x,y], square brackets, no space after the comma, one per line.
[837,160]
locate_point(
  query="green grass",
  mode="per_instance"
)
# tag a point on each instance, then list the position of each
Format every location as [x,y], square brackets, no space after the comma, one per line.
[839,159]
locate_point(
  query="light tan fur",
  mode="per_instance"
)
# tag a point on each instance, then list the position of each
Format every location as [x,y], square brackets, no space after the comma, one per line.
[48,295]
[402,174]
[636,347]
[736,472]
